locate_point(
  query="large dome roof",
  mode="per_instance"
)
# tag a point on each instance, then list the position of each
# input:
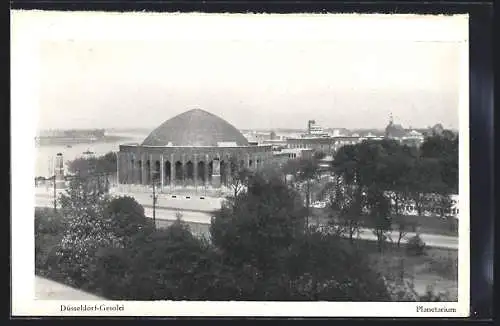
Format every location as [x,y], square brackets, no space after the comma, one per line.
[195,128]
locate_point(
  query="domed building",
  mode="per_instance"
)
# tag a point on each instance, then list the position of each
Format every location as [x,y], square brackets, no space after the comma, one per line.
[194,148]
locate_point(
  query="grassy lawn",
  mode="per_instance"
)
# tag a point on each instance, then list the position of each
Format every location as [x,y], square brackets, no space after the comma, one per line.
[437,268]
[425,224]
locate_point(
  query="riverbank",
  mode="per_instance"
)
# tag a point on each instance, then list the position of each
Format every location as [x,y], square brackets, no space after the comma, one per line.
[58,141]
[46,154]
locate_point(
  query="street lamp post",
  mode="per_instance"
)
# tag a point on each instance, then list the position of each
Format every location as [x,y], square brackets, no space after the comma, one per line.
[55,193]
[155,196]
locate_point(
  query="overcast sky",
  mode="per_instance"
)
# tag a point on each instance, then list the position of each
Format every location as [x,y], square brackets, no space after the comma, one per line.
[280,81]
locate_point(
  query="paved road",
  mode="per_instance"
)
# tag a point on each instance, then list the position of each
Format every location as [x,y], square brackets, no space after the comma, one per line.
[431,240]
[163,200]
[199,222]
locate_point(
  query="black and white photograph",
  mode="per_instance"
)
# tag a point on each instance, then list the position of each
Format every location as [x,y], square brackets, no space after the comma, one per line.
[240,164]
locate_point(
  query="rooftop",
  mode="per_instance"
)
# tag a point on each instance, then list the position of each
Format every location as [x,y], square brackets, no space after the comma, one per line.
[195,128]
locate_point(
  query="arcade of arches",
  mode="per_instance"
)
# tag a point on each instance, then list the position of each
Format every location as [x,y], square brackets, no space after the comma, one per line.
[141,165]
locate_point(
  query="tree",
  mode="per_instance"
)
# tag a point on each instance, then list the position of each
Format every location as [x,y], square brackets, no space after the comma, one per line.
[346,211]
[172,264]
[112,274]
[402,227]
[345,164]
[49,229]
[261,240]
[324,267]
[104,164]
[378,206]
[319,155]
[83,194]
[396,181]
[126,218]
[307,172]
[239,176]
[87,231]
[258,223]
[425,180]
[444,204]
[444,148]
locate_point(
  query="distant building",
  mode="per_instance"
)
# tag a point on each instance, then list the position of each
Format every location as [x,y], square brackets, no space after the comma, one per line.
[327,145]
[370,136]
[286,154]
[338,132]
[404,136]
[276,144]
[319,140]
[413,137]
[314,130]
[394,131]
[257,137]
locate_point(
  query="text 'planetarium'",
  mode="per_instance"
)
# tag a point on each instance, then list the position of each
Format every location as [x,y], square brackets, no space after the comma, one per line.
[194,148]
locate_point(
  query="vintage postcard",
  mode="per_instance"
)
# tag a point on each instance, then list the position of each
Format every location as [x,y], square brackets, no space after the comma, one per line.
[239,165]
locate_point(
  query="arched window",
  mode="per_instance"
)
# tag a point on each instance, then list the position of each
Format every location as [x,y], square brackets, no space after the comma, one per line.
[148,172]
[130,174]
[223,173]
[201,171]
[210,171]
[157,172]
[139,170]
[179,171]
[190,171]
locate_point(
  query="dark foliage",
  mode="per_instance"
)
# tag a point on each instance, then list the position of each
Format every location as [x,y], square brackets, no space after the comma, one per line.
[84,166]
[415,246]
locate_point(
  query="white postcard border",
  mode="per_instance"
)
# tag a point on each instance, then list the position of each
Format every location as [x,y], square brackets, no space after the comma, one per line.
[31,27]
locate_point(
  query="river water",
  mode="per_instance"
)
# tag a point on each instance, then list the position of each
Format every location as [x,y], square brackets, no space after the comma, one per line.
[45,155]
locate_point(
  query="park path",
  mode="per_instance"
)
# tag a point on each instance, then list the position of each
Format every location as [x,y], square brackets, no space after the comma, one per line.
[46,289]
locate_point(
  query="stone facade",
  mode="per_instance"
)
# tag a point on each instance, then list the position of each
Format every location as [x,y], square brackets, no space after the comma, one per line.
[186,165]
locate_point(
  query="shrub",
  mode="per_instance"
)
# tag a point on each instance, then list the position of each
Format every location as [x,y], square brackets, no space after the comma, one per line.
[328,268]
[111,273]
[49,222]
[85,235]
[49,229]
[416,246]
[402,291]
[126,218]
[446,267]
[168,264]
[432,296]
